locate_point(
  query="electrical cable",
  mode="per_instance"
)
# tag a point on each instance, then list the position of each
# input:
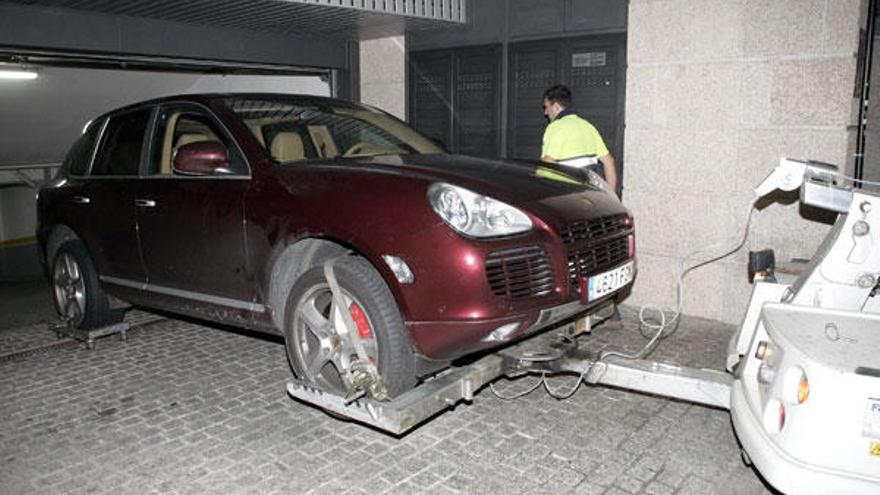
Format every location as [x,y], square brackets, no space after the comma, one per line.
[520,394]
[858,181]
[684,270]
[660,327]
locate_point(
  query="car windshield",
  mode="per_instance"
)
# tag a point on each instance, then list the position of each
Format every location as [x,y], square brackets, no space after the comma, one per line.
[293,132]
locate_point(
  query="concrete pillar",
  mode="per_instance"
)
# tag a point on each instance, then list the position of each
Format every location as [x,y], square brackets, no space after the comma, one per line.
[717,92]
[383,74]
[18,250]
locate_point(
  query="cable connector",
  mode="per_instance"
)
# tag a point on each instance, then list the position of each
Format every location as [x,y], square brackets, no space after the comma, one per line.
[787,176]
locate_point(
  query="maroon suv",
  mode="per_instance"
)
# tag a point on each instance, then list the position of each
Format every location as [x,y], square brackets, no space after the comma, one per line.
[272,212]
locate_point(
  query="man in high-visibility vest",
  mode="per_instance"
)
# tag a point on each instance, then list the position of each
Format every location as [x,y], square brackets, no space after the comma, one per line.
[571,140]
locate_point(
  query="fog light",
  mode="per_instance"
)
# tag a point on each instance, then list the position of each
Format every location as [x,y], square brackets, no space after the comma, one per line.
[501,333]
[781,416]
[774,416]
[766,374]
[399,268]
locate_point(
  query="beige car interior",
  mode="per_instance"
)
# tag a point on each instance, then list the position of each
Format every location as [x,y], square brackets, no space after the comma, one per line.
[287,146]
[323,141]
[177,134]
[315,140]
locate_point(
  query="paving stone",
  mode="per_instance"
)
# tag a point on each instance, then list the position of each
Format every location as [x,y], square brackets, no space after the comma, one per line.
[189,408]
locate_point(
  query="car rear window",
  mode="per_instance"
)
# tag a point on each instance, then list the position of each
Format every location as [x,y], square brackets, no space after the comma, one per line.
[80,155]
[121,146]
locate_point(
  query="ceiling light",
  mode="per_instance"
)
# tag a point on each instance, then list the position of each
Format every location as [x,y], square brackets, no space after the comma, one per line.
[17,74]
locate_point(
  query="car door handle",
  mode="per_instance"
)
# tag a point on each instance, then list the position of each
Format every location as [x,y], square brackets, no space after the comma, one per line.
[146,203]
[81,200]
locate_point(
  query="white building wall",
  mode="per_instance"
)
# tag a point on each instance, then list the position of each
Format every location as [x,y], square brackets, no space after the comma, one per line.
[717,92]
[383,74]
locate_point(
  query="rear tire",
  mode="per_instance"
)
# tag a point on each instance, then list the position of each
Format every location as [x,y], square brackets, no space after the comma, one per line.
[76,290]
[319,349]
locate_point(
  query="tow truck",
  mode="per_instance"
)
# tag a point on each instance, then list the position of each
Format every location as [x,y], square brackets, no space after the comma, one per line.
[802,373]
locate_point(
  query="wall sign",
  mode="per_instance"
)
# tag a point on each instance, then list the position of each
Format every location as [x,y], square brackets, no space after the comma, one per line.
[588,59]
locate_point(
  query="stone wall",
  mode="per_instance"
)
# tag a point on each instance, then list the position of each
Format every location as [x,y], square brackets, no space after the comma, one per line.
[872,129]
[383,74]
[717,92]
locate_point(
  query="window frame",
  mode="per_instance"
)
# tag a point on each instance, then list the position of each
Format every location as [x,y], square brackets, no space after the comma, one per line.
[199,109]
[101,124]
[144,143]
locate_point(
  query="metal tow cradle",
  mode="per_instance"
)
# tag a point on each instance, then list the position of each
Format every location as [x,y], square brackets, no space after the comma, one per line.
[459,384]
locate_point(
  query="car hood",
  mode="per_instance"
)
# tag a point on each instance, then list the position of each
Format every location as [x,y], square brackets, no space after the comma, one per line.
[556,193]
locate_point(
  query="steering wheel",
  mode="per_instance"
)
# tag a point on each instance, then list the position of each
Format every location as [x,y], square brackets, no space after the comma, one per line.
[358,148]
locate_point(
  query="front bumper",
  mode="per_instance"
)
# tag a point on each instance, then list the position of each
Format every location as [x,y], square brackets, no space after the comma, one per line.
[783,471]
[445,340]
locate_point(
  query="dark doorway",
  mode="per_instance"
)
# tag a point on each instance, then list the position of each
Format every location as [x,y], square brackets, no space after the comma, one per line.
[455,98]
[593,67]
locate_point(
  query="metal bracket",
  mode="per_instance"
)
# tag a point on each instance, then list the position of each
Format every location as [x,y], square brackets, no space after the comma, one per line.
[702,386]
[363,375]
[63,328]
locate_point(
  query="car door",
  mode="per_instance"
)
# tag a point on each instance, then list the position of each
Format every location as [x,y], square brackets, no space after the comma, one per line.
[106,199]
[191,226]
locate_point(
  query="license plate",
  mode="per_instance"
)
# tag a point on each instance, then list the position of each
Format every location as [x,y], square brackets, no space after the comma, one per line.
[606,283]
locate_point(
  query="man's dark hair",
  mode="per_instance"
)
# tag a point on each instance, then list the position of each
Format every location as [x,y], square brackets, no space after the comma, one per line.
[558,94]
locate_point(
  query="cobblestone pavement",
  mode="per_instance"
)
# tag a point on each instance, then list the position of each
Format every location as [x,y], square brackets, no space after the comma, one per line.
[183,407]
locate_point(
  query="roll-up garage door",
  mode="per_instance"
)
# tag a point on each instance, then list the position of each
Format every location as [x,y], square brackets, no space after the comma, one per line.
[593,67]
[456,98]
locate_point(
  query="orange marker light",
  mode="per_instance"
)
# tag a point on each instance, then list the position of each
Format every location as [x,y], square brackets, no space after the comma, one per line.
[803,390]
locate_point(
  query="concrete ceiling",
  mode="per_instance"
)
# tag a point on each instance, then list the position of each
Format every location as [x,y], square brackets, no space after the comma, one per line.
[350,19]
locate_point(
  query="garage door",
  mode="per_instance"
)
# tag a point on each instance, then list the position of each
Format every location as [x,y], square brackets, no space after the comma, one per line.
[455,98]
[593,67]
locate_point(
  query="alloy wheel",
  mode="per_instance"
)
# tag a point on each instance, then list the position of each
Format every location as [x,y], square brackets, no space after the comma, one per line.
[69,288]
[323,347]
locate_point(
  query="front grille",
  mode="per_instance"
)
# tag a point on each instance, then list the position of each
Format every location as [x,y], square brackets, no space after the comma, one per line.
[594,229]
[591,259]
[519,272]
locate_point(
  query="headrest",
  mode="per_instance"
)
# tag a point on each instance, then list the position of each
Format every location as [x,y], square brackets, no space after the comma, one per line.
[192,138]
[287,146]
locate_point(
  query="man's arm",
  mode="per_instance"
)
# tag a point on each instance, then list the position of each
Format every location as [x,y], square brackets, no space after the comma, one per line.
[610,170]
[548,159]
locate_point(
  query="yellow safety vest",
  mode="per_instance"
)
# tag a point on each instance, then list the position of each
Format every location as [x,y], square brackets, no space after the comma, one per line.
[571,136]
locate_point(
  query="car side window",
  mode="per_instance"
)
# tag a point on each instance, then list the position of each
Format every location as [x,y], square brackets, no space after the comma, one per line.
[179,125]
[120,150]
[80,155]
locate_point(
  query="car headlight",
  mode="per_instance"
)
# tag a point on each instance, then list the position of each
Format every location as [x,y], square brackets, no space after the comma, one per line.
[476,215]
[596,180]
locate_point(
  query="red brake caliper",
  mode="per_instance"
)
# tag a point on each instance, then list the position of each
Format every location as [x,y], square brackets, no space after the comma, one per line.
[360,320]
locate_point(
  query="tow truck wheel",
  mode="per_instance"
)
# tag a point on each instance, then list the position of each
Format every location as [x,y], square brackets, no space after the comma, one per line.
[321,351]
[76,290]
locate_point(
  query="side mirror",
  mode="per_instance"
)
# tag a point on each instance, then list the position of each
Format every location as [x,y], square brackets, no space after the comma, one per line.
[202,158]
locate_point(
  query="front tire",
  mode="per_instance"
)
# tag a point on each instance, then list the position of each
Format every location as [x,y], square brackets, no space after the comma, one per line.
[319,348]
[76,290]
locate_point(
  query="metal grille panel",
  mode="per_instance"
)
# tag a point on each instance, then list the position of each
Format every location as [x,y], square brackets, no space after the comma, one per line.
[593,259]
[594,229]
[596,245]
[520,272]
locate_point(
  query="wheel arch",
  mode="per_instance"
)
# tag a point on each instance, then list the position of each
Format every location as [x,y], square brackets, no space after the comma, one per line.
[295,259]
[58,235]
